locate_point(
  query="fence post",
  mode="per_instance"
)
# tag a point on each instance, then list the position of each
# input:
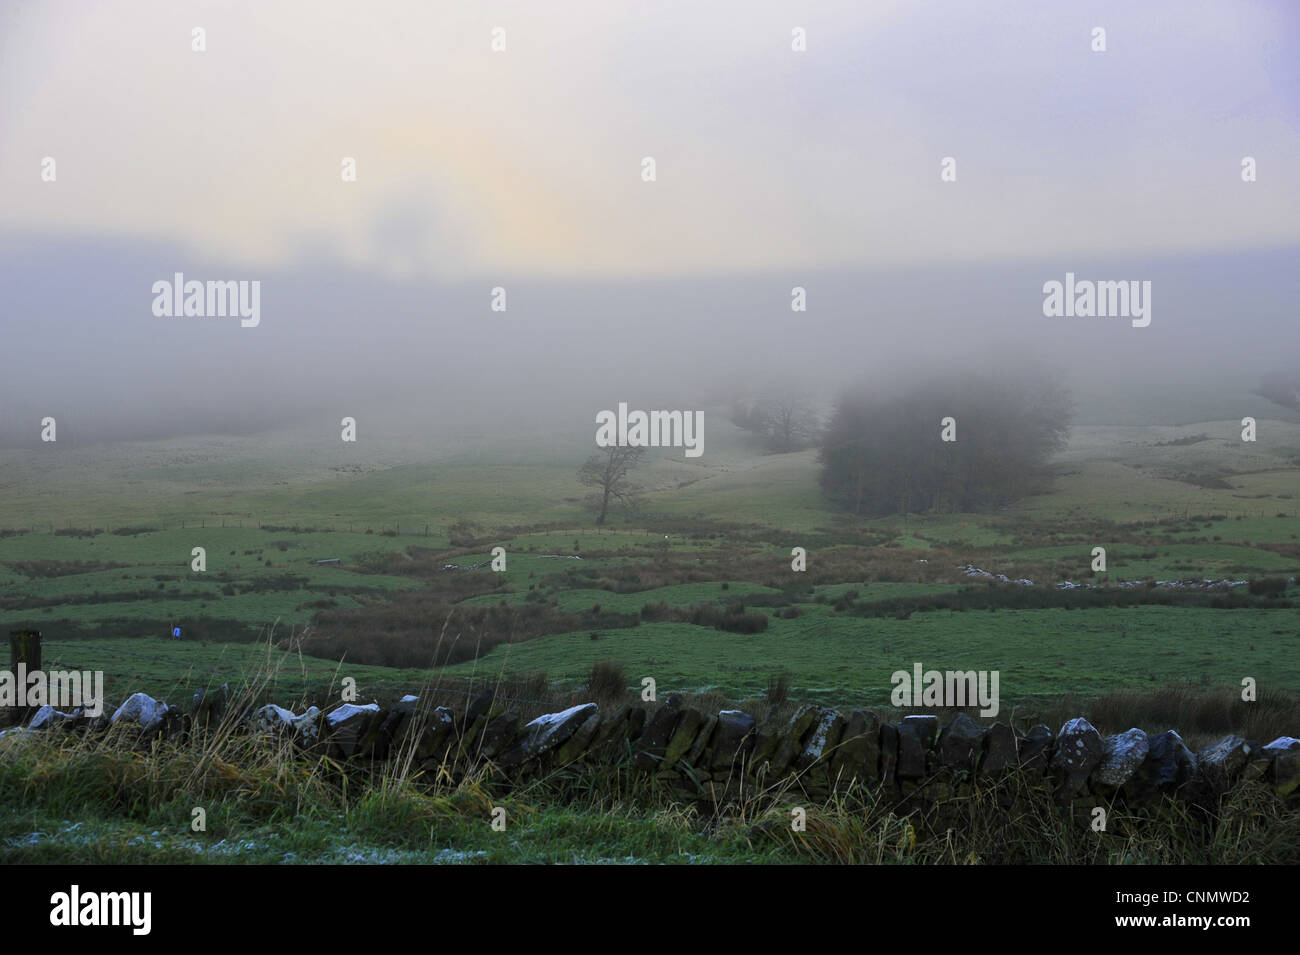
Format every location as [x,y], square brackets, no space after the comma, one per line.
[24,648]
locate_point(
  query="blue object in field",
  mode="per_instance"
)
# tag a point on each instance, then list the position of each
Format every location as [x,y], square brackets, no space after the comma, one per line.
[176,633]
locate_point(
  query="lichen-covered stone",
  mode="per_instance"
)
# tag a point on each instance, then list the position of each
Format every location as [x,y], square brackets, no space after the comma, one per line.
[143,709]
[814,761]
[684,733]
[823,739]
[792,740]
[272,719]
[697,757]
[767,737]
[306,728]
[658,731]
[548,732]
[1122,755]
[857,758]
[48,717]
[575,747]
[1078,752]
[1224,760]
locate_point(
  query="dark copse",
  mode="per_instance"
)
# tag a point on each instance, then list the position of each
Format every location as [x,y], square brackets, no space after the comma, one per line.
[883,454]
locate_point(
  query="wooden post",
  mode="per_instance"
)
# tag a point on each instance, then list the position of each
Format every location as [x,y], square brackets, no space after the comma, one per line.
[25,648]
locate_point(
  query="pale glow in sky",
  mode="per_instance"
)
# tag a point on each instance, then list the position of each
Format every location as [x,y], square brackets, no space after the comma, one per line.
[474,163]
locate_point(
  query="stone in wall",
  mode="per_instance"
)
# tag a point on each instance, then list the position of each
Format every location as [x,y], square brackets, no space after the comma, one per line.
[575,747]
[210,705]
[728,757]
[814,761]
[500,733]
[547,732]
[1035,748]
[347,728]
[658,731]
[916,739]
[688,725]
[1169,764]
[142,709]
[306,728]
[1077,753]
[1225,759]
[272,719]
[999,751]
[792,740]
[1122,756]
[617,731]
[1284,752]
[960,744]
[857,758]
[767,737]
[888,752]
[435,734]
[698,757]
[47,717]
[391,726]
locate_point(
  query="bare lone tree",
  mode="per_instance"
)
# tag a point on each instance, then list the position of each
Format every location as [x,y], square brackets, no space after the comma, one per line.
[787,420]
[607,471]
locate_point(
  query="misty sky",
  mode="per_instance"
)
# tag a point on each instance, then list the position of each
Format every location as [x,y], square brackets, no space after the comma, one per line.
[523,169]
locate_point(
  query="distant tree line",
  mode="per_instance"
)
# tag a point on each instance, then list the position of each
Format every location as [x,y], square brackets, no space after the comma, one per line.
[884,453]
[1281,388]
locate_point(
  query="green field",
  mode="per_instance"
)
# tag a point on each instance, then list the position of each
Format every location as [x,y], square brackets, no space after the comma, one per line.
[97,547]
[848,661]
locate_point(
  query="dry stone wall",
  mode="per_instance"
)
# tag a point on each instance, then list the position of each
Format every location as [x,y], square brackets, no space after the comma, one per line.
[719,757]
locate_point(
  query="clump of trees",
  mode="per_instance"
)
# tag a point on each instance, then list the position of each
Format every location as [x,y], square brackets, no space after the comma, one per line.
[785,420]
[886,453]
[1282,388]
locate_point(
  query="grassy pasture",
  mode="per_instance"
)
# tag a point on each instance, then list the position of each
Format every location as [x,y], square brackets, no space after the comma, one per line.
[848,661]
[1124,487]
